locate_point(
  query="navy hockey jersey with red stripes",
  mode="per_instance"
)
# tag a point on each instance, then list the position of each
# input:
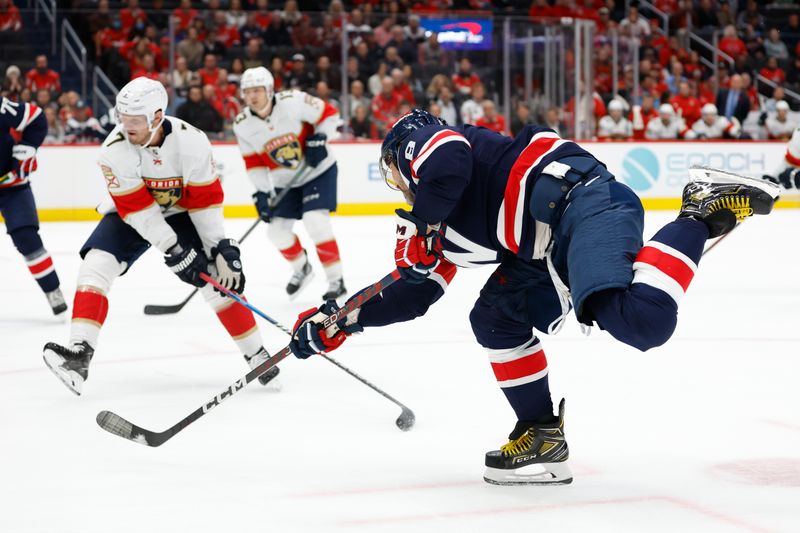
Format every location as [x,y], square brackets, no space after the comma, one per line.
[479,183]
[21,123]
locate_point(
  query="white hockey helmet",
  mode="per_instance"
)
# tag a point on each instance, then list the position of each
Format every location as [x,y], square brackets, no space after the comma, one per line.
[666,109]
[709,109]
[142,96]
[257,77]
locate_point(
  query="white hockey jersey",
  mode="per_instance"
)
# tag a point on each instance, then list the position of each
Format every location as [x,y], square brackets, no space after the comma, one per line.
[273,147]
[779,130]
[608,127]
[717,130]
[792,157]
[657,129]
[148,184]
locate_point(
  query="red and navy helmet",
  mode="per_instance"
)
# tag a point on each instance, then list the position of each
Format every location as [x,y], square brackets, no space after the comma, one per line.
[405,126]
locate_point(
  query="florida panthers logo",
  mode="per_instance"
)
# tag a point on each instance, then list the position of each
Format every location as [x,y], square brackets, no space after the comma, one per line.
[165,191]
[285,150]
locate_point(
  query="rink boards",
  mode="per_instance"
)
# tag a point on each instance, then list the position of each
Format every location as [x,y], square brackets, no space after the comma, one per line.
[69,184]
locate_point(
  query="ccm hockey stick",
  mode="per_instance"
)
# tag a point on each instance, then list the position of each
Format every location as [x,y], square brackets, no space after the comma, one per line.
[154,309]
[115,424]
[406,419]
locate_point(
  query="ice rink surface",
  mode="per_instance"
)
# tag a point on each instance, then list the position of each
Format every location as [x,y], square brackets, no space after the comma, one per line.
[702,434]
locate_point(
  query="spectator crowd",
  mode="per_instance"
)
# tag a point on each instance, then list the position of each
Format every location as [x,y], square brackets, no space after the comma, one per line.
[393,64]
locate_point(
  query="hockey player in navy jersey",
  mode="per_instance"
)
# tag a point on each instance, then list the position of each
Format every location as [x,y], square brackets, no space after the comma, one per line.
[565,234]
[23,127]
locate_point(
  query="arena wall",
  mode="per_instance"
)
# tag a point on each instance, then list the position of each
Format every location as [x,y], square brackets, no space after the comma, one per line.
[69,185]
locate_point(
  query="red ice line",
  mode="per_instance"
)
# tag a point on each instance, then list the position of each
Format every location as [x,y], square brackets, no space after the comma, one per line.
[684,504]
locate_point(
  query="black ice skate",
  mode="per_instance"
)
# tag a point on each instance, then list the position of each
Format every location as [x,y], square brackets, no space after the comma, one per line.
[56,301]
[70,365]
[267,377]
[335,290]
[536,454]
[721,199]
[299,280]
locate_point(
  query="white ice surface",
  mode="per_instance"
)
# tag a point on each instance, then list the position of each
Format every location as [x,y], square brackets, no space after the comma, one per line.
[702,434]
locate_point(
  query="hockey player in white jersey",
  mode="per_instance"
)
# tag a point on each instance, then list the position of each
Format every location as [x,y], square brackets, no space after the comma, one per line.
[780,126]
[713,126]
[788,172]
[667,126]
[164,192]
[614,126]
[280,135]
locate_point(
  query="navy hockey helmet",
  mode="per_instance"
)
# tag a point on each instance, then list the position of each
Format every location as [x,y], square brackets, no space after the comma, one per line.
[405,126]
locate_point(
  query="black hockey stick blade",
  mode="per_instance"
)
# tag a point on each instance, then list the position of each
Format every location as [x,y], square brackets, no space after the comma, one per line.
[406,419]
[119,426]
[152,309]
[116,425]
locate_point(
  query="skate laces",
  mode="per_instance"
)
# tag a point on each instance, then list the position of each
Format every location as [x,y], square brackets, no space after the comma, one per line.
[738,204]
[517,446]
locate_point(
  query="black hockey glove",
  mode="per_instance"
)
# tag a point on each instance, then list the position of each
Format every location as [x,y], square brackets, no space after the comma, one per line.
[790,177]
[316,151]
[187,264]
[263,206]
[309,338]
[227,259]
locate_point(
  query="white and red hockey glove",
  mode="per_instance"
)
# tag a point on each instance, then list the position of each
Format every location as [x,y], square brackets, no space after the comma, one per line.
[26,159]
[309,337]
[419,247]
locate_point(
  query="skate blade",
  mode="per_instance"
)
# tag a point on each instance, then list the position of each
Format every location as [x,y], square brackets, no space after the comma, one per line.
[700,173]
[303,285]
[71,379]
[536,474]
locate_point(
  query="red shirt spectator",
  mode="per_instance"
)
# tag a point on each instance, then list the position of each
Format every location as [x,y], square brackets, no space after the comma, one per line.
[144,73]
[386,104]
[687,107]
[111,37]
[498,124]
[464,79]
[228,35]
[733,46]
[775,74]
[405,93]
[133,51]
[640,116]
[42,77]
[185,14]
[132,14]
[209,74]
[9,17]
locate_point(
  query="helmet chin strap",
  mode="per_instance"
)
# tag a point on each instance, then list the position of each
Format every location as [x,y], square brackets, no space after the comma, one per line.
[153,131]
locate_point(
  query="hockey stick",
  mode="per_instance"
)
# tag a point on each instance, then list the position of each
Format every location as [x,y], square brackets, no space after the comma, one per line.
[115,424]
[406,419]
[153,309]
[713,244]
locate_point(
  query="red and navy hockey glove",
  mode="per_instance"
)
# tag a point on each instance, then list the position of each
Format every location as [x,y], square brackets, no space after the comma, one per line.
[419,247]
[26,160]
[308,336]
